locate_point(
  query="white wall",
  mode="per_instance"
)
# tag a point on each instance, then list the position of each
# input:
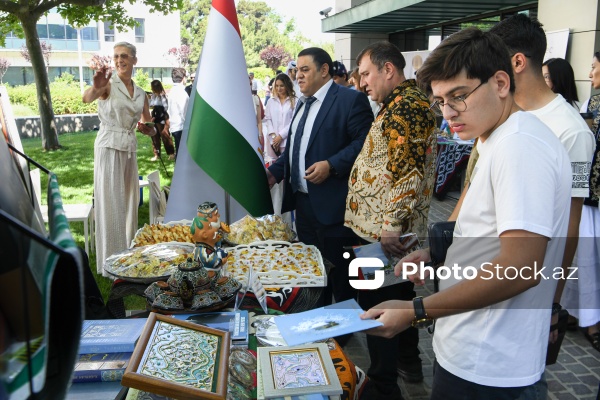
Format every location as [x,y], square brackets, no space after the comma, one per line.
[582,18]
[161,33]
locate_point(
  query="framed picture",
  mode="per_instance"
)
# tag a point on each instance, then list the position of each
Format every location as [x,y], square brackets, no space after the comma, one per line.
[298,370]
[179,359]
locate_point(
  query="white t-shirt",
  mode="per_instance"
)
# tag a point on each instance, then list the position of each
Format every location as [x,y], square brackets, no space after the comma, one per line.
[177,107]
[572,131]
[522,182]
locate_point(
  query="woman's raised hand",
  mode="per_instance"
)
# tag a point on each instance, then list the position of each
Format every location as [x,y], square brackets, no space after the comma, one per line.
[102,78]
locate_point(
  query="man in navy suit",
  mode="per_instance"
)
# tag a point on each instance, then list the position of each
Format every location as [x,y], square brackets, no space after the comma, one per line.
[327,132]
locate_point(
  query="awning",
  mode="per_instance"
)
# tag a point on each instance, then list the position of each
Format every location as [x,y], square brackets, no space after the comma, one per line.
[390,16]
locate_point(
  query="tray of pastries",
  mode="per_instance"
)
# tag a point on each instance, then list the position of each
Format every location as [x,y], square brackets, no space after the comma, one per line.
[150,263]
[249,230]
[278,263]
[176,231]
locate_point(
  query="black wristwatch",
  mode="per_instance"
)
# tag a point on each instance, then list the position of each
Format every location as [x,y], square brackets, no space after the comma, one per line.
[556,307]
[422,320]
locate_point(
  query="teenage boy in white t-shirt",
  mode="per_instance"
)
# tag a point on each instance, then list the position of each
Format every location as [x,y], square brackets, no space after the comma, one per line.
[494,309]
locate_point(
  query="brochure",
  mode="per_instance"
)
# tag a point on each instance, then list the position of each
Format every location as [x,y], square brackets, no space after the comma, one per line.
[323,323]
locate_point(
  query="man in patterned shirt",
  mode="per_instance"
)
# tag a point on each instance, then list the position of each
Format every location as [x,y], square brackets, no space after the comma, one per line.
[390,188]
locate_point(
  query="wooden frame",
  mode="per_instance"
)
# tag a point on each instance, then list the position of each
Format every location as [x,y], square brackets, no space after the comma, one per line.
[313,357]
[178,345]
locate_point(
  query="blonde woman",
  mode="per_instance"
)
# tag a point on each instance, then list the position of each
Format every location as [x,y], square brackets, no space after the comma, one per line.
[278,116]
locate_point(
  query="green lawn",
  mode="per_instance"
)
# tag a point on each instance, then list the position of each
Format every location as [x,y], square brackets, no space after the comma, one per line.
[74,168]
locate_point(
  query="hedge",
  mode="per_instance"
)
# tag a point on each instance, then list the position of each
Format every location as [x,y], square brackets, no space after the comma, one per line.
[66,95]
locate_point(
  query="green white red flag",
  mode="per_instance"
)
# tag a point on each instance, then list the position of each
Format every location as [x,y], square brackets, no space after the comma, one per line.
[221,142]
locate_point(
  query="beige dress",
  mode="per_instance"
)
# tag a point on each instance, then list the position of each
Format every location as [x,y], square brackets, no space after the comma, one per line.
[116,181]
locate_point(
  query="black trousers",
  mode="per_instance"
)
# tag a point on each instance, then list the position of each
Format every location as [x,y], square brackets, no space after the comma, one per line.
[330,240]
[177,136]
[386,353]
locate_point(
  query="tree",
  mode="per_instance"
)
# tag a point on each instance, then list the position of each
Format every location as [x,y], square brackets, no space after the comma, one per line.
[194,20]
[46,50]
[4,64]
[179,56]
[275,57]
[21,17]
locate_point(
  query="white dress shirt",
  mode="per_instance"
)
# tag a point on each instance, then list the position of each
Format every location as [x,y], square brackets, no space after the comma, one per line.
[178,99]
[310,121]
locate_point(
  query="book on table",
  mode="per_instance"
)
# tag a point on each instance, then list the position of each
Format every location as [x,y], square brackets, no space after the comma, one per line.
[236,322]
[110,335]
[100,367]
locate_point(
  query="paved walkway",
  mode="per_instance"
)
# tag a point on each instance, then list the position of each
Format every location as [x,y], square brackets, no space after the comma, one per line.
[575,376]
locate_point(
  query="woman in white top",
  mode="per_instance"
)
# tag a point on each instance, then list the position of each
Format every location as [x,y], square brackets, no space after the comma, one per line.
[581,296]
[278,117]
[559,77]
[121,105]
[159,105]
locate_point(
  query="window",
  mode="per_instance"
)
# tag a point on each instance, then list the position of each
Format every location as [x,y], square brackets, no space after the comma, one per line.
[90,32]
[56,26]
[42,27]
[139,30]
[109,32]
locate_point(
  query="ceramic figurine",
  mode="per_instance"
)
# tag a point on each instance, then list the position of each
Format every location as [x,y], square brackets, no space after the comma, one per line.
[197,284]
[207,231]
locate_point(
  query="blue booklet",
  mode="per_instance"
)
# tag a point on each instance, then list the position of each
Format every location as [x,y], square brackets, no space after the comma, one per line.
[101,367]
[110,335]
[323,323]
[236,322]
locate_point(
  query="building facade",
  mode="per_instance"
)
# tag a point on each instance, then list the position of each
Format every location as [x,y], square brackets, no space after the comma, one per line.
[153,37]
[421,24]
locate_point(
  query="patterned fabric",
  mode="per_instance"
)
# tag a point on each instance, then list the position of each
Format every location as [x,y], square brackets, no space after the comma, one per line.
[287,299]
[592,199]
[451,160]
[391,182]
[351,377]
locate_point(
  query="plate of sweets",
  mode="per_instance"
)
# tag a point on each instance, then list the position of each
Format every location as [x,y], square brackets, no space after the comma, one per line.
[176,231]
[147,264]
[249,230]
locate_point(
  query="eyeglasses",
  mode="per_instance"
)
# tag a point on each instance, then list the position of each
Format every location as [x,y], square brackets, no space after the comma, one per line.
[123,56]
[456,103]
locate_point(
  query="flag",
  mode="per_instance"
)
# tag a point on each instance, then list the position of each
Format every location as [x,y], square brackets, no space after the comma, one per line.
[219,152]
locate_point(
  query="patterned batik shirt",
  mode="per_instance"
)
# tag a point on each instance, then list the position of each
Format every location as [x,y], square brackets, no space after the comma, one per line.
[593,199]
[392,179]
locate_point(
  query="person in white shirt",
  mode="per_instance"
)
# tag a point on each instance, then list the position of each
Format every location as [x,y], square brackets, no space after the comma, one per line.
[253,83]
[160,117]
[526,40]
[278,116]
[178,105]
[291,71]
[492,310]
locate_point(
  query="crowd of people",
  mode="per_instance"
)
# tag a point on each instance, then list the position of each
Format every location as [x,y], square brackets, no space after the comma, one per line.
[352,155]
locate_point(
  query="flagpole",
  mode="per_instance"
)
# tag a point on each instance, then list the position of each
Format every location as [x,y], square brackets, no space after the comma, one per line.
[227,208]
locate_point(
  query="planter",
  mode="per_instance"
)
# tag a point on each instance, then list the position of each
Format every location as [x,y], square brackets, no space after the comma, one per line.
[29,127]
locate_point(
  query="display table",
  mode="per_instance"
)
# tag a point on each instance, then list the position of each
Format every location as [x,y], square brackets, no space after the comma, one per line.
[352,378]
[287,299]
[452,159]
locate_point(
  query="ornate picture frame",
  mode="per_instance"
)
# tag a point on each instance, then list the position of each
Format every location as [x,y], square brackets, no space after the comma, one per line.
[298,370]
[179,359]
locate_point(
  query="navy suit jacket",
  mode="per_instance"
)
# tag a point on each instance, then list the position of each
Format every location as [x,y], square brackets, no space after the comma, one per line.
[338,135]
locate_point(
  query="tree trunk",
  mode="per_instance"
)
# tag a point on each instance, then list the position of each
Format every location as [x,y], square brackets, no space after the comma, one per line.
[32,41]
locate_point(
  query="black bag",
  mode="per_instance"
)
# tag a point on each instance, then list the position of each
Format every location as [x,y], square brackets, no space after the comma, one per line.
[554,348]
[440,239]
